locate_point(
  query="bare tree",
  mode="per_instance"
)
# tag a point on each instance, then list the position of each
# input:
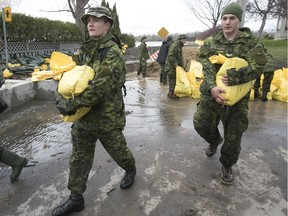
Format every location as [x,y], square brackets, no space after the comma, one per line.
[264,10]
[207,11]
[77,8]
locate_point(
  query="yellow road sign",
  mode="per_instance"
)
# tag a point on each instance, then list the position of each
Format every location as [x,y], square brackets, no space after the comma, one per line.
[7,14]
[163,32]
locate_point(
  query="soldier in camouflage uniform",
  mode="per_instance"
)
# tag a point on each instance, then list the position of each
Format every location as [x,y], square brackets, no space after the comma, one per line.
[174,59]
[230,42]
[268,77]
[106,119]
[143,56]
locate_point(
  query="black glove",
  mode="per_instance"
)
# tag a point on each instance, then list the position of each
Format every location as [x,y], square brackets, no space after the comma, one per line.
[64,106]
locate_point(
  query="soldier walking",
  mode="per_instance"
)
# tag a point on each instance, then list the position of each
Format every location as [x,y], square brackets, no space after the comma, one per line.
[230,41]
[106,119]
[174,59]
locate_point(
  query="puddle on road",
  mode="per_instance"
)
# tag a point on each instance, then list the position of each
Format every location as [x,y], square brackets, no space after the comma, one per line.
[36,130]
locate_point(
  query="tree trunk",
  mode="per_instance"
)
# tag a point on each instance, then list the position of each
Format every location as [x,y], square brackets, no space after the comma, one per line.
[260,31]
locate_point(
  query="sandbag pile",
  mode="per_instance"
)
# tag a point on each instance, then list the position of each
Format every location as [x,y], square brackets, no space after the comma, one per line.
[188,83]
[58,64]
[279,85]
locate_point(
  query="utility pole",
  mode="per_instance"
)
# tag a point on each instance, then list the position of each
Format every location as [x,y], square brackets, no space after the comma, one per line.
[243,5]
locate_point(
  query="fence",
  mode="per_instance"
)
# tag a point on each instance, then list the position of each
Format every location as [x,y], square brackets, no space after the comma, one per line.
[17,49]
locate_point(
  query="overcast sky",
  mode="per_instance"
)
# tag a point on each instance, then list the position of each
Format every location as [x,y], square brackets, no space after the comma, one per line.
[137,17]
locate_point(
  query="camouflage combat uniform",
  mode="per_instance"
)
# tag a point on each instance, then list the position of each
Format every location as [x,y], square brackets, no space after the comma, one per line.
[174,59]
[209,112]
[106,120]
[268,77]
[143,56]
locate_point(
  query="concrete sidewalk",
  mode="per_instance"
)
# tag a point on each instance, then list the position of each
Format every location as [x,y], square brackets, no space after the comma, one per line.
[174,176]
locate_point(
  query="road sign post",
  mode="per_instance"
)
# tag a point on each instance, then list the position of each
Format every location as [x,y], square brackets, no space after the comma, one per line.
[6,17]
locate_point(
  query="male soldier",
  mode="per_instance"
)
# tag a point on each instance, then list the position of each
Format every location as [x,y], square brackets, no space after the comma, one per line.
[230,42]
[143,56]
[174,59]
[162,55]
[268,77]
[106,119]
[7,157]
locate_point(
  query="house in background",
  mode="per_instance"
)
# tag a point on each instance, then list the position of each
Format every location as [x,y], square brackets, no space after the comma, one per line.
[281,29]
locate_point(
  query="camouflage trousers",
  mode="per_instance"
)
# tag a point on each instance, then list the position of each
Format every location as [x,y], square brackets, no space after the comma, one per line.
[172,79]
[163,75]
[268,77]
[81,160]
[235,121]
[142,67]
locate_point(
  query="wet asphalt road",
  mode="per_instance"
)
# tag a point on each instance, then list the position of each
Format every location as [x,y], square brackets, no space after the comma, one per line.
[174,176]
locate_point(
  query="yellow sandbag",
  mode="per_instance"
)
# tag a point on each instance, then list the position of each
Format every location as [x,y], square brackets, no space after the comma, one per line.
[195,77]
[182,87]
[73,83]
[199,42]
[277,78]
[233,93]
[218,59]
[60,63]
[79,114]
[7,73]
[41,75]
[252,95]
[279,87]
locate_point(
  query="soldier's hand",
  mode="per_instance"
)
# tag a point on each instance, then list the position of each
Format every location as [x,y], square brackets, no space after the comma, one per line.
[65,107]
[225,80]
[216,94]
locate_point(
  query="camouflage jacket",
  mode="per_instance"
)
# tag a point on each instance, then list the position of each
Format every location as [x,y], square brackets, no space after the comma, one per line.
[175,56]
[143,51]
[237,48]
[104,92]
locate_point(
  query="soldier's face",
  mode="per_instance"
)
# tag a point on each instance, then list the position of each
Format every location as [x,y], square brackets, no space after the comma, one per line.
[97,26]
[230,23]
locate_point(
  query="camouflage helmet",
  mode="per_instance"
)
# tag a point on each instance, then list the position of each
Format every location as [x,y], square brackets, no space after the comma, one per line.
[98,12]
[182,36]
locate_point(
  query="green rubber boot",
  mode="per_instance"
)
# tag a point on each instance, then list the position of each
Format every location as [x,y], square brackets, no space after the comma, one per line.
[15,161]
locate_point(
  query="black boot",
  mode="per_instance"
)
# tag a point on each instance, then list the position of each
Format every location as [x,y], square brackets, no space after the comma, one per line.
[128,179]
[75,203]
[15,161]
[264,96]
[172,95]
[211,150]
[227,175]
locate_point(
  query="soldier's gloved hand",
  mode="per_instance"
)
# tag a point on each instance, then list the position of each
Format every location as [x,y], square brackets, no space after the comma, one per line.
[65,107]
[58,97]
[257,54]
